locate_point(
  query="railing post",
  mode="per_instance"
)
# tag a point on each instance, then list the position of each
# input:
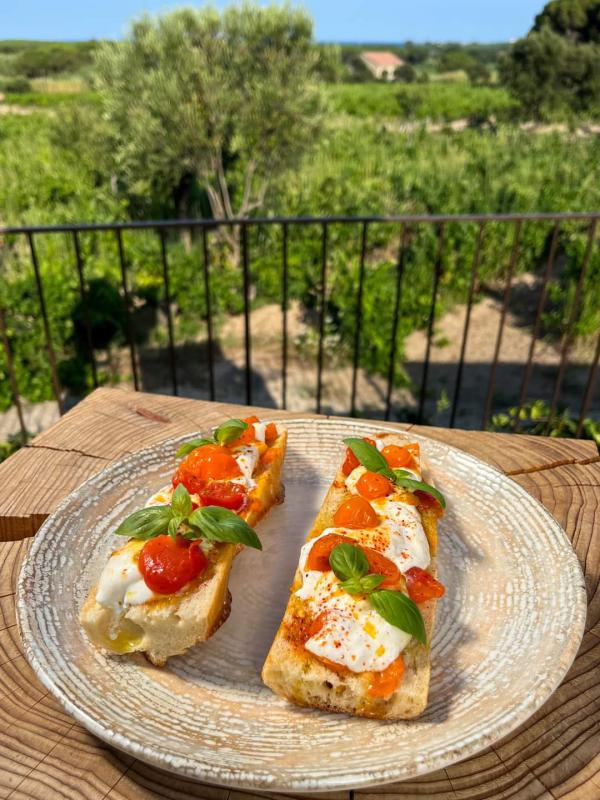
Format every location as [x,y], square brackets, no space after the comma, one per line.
[48,335]
[436,282]
[86,307]
[396,319]
[284,313]
[207,298]
[357,330]
[322,315]
[165,270]
[247,335]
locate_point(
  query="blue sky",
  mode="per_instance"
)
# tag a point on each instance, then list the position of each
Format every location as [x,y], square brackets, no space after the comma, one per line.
[336,20]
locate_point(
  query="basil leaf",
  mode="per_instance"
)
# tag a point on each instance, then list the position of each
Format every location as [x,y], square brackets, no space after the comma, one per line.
[173,526]
[146,523]
[370,582]
[400,611]
[369,456]
[181,502]
[348,561]
[352,586]
[230,431]
[364,585]
[406,480]
[187,447]
[222,525]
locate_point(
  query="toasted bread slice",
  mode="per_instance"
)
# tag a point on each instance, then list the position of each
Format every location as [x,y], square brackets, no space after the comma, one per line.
[294,673]
[168,625]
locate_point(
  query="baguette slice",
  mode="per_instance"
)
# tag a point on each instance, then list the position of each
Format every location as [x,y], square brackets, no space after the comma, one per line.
[170,624]
[294,673]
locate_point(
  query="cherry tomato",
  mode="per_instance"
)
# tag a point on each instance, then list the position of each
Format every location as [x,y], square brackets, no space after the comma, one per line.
[355,512]
[318,559]
[167,565]
[270,433]
[428,501]
[372,485]
[224,494]
[352,461]
[422,586]
[270,455]
[211,462]
[385,683]
[249,435]
[398,457]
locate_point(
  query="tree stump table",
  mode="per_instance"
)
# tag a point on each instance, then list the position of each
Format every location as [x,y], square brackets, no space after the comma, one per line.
[45,754]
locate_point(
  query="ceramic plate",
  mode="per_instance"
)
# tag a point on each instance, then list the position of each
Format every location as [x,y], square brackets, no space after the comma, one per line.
[507,630]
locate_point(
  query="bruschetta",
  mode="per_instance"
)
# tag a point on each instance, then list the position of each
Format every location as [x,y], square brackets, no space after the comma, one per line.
[166,588]
[355,635]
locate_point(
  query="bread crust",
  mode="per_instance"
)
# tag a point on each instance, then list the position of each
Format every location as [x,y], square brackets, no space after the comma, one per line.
[295,674]
[172,624]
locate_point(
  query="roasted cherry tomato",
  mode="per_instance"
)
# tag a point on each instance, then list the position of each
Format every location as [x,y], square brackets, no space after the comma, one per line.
[422,586]
[398,457]
[224,494]
[385,683]
[355,512]
[318,559]
[427,501]
[167,565]
[270,433]
[210,462]
[270,455]
[372,485]
[249,435]
[352,461]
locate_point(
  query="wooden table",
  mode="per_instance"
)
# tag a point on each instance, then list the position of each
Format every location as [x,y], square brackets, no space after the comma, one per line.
[45,754]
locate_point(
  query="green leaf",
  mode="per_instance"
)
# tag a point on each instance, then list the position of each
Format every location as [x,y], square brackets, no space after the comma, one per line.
[348,562]
[369,456]
[406,480]
[146,523]
[364,585]
[173,527]
[187,447]
[230,431]
[371,582]
[181,502]
[222,525]
[400,611]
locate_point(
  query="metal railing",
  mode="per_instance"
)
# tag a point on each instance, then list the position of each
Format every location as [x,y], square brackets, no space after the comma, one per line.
[403,225]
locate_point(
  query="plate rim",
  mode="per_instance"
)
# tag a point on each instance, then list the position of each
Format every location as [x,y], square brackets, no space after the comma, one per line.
[150,754]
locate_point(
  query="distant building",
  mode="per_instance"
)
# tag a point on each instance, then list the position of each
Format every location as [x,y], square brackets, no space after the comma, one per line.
[381,63]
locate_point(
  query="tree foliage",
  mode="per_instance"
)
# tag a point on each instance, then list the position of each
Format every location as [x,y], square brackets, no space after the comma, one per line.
[556,67]
[225,101]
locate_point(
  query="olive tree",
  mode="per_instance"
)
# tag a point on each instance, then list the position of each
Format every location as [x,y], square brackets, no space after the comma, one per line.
[202,100]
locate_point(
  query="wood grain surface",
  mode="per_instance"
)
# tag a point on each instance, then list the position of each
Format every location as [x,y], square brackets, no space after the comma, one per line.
[45,754]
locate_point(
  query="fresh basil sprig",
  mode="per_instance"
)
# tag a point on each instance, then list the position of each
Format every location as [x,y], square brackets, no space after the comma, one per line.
[371,458]
[351,567]
[213,523]
[227,432]
[405,479]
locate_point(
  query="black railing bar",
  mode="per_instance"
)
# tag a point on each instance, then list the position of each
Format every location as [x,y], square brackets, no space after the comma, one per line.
[165,271]
[505,300]
[86,307]
[396,319]
[568,335]
[247,338]
[127,304]
[463,346]
[589,389]
[284,313]
[430,324]
[12,378]
[536,324]
[359,304]
[209,328]
[46,324]
[414,219]
[322,315]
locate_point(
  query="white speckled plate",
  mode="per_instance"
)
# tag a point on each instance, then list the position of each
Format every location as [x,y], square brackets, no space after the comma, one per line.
[506,633]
